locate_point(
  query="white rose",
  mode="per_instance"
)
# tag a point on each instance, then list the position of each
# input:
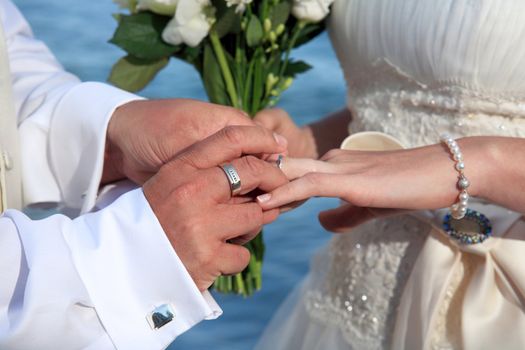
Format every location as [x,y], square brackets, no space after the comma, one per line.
[241,4]
[311,10]
[191,23]
[162,7]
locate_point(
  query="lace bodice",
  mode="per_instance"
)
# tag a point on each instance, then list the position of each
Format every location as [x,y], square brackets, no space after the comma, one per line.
[414,69]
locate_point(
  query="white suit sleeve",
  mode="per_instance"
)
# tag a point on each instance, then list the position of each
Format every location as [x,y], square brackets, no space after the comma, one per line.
[89,283]
[62,121]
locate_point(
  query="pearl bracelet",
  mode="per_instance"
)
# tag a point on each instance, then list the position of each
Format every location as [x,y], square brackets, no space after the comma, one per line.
[459,209]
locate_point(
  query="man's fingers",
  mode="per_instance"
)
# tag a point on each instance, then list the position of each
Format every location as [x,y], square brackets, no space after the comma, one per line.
[232,258]
[344,218]
[232,221]
[253,172]
[268,217]
[229,143]
[310,185]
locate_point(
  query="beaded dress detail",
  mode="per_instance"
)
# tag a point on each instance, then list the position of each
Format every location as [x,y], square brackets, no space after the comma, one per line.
[414,69]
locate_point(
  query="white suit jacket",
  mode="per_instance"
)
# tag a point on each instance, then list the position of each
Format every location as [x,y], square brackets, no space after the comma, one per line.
[90,282]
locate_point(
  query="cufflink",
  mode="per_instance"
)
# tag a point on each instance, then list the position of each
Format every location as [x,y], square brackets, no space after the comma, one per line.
[161,316]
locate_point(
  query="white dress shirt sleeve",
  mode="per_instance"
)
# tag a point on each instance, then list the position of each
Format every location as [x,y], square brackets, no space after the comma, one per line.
[62,121]
[88,282]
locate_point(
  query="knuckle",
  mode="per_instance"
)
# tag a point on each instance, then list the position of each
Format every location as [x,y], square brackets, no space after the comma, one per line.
[186,192]
[254,215]
[239,114]
[265,132]
[233,134]
[243,257]
[204,257]
[191,229]
[253,164]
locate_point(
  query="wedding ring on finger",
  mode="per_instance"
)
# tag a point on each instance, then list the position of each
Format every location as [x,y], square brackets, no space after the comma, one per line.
[233,178]
[279,162]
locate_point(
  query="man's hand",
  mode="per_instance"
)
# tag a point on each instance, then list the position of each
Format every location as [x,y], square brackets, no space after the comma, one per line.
[144,135]
[191,198]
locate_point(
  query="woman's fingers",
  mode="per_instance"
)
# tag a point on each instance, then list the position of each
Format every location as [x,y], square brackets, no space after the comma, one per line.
[344,218]
[310,185]
[294,168]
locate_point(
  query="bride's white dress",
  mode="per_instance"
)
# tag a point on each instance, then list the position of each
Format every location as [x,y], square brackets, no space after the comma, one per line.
[415,69]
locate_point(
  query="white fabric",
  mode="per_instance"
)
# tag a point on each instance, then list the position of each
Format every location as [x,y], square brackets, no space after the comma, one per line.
[10,167]
[415,69]
[88,282]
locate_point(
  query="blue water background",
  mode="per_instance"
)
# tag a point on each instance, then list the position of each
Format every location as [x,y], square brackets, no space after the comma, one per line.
[78,31]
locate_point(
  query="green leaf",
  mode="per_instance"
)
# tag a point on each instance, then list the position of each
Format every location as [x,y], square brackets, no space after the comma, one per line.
[309,33]
[279,13]
[254,32]
[116,16]
[133,74]
[140,35]
[228,22]
[212,78]
[192,55]
[295,68]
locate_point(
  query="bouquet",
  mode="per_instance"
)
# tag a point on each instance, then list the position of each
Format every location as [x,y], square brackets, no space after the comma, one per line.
[241,48]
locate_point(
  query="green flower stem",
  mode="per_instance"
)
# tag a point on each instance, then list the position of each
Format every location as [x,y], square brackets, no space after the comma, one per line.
[248,88]
[225,68]
[240,284]
[293,41]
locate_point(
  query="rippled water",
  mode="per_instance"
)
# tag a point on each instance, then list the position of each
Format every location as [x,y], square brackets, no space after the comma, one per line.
[77,32]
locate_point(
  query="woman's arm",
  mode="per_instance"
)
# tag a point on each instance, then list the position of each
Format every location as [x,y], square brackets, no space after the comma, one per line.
[419,178]
[312,140]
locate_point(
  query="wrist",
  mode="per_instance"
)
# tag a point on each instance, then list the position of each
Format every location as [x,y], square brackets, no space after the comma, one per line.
[482,157]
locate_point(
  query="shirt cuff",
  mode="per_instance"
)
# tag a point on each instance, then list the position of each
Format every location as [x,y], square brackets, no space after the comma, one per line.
[129,268]
[78,139]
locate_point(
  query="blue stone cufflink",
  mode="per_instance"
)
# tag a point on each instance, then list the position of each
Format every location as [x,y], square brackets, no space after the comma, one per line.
[161,316]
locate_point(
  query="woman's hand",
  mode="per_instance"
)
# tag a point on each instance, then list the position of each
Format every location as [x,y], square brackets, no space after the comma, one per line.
[309,141]
[381,183]
[301,143]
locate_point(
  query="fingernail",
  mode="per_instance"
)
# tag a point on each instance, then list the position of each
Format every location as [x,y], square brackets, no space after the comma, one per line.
[281,140]
[263,198]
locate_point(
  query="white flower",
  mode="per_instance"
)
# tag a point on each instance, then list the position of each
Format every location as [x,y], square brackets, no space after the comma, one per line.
[162,7]
[191,23]
[311,10]
[241,5]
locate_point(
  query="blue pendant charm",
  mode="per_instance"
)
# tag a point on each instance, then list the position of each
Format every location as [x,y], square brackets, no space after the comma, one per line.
[480,232]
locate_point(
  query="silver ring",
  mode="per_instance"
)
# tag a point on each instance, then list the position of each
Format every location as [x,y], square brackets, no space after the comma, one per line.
[279,161]
[233,178]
